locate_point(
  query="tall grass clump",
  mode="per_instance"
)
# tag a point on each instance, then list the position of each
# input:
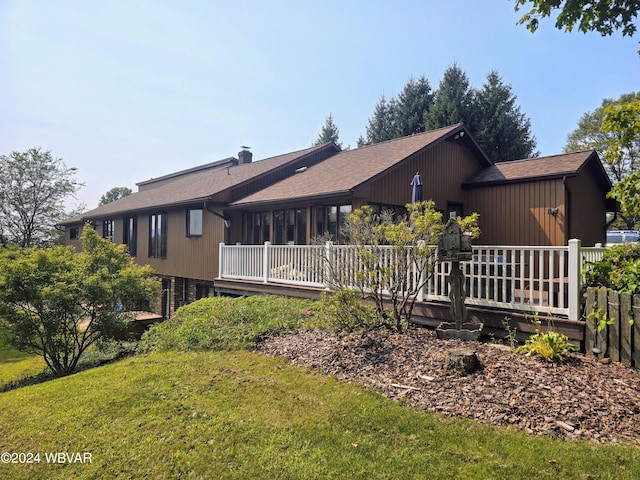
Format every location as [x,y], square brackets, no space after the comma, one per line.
[225,323]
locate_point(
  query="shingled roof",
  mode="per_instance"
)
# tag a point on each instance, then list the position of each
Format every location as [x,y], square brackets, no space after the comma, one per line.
[349,169]
[195,185]
[541,168]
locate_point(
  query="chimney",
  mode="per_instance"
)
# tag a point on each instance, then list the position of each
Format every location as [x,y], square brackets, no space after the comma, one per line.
[245,156]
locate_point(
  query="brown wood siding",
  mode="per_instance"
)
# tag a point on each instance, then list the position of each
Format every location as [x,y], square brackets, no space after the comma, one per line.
[517,213]
[443,169]
[588,209]
[193,257]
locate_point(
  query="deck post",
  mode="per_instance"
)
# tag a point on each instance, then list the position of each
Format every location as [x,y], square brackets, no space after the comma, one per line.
[221,260]
[328,280]
[574,279]
[266,261]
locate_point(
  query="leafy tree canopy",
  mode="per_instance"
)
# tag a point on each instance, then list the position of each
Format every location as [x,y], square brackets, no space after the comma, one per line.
[56,303]
[602,16]
[623,121]
[33,187]
[589,134]
[114,194]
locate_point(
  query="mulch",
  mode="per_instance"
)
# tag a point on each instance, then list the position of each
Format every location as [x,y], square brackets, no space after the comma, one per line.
[583,398]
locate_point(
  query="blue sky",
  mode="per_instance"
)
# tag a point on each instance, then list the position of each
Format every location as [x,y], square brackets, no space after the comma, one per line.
[126,91]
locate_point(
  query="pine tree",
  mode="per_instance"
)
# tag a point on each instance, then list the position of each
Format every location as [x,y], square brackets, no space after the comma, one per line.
[453,101]
[413,103]
[329,133]
[382,124]
[502,130]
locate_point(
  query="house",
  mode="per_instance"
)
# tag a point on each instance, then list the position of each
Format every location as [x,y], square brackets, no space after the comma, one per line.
[176,222]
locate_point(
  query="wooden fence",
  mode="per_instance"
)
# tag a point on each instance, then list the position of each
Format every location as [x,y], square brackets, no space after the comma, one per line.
[613,325]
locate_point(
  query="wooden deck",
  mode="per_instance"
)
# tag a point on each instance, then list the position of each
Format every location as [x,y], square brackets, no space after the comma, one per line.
[428,314]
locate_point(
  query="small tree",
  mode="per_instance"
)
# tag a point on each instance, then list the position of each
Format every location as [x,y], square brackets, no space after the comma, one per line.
[56,303]
[396,257]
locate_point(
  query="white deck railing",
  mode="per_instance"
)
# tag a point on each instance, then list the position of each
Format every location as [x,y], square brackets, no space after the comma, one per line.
[533,279]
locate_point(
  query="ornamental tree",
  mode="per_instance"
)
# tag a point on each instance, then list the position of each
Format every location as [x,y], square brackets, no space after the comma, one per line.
[395,257]
[56,303]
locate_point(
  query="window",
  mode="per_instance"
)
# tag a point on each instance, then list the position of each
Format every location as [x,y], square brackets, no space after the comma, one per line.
[107,229]
[74,233]
[453,208]
[256,227]
[158,235]
[129,235]
[203,291]
[330,220]
[194,222]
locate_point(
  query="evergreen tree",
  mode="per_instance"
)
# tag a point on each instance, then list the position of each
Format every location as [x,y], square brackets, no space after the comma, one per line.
[382,125]
[453,101]
[502,130]
[329,133]
[413,103]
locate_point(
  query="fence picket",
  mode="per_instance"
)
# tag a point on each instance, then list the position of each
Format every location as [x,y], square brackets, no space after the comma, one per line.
[620,339]
[625,328]
[601,336]
[614,328]
[591,323]
[635,339]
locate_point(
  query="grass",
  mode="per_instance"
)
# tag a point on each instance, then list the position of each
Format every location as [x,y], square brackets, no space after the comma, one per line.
[238,415]
[15,366]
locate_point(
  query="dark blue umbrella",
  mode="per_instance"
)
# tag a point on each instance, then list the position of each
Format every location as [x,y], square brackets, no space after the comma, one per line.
[416,188]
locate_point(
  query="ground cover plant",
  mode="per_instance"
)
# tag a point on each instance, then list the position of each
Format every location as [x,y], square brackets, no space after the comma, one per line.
[225,323]
[236,414]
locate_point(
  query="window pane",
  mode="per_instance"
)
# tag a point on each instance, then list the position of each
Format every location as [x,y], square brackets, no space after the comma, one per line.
[195,222]
[345,211]
[290,226]
[301,226]
[265,222]
[162,233]
[318,221]
[332,221]
[278,227]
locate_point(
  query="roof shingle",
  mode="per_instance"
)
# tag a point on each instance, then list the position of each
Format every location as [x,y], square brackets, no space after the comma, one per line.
[347,169]
[531,168]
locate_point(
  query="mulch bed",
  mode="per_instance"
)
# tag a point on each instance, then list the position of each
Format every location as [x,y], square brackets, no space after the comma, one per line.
[583,398]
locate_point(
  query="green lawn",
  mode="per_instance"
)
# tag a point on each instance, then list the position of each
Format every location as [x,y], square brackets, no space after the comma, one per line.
[240,415]
[15,365]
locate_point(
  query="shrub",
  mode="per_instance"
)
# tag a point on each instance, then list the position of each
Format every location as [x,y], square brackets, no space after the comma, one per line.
[344,312]
[619,269]
[225,323]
